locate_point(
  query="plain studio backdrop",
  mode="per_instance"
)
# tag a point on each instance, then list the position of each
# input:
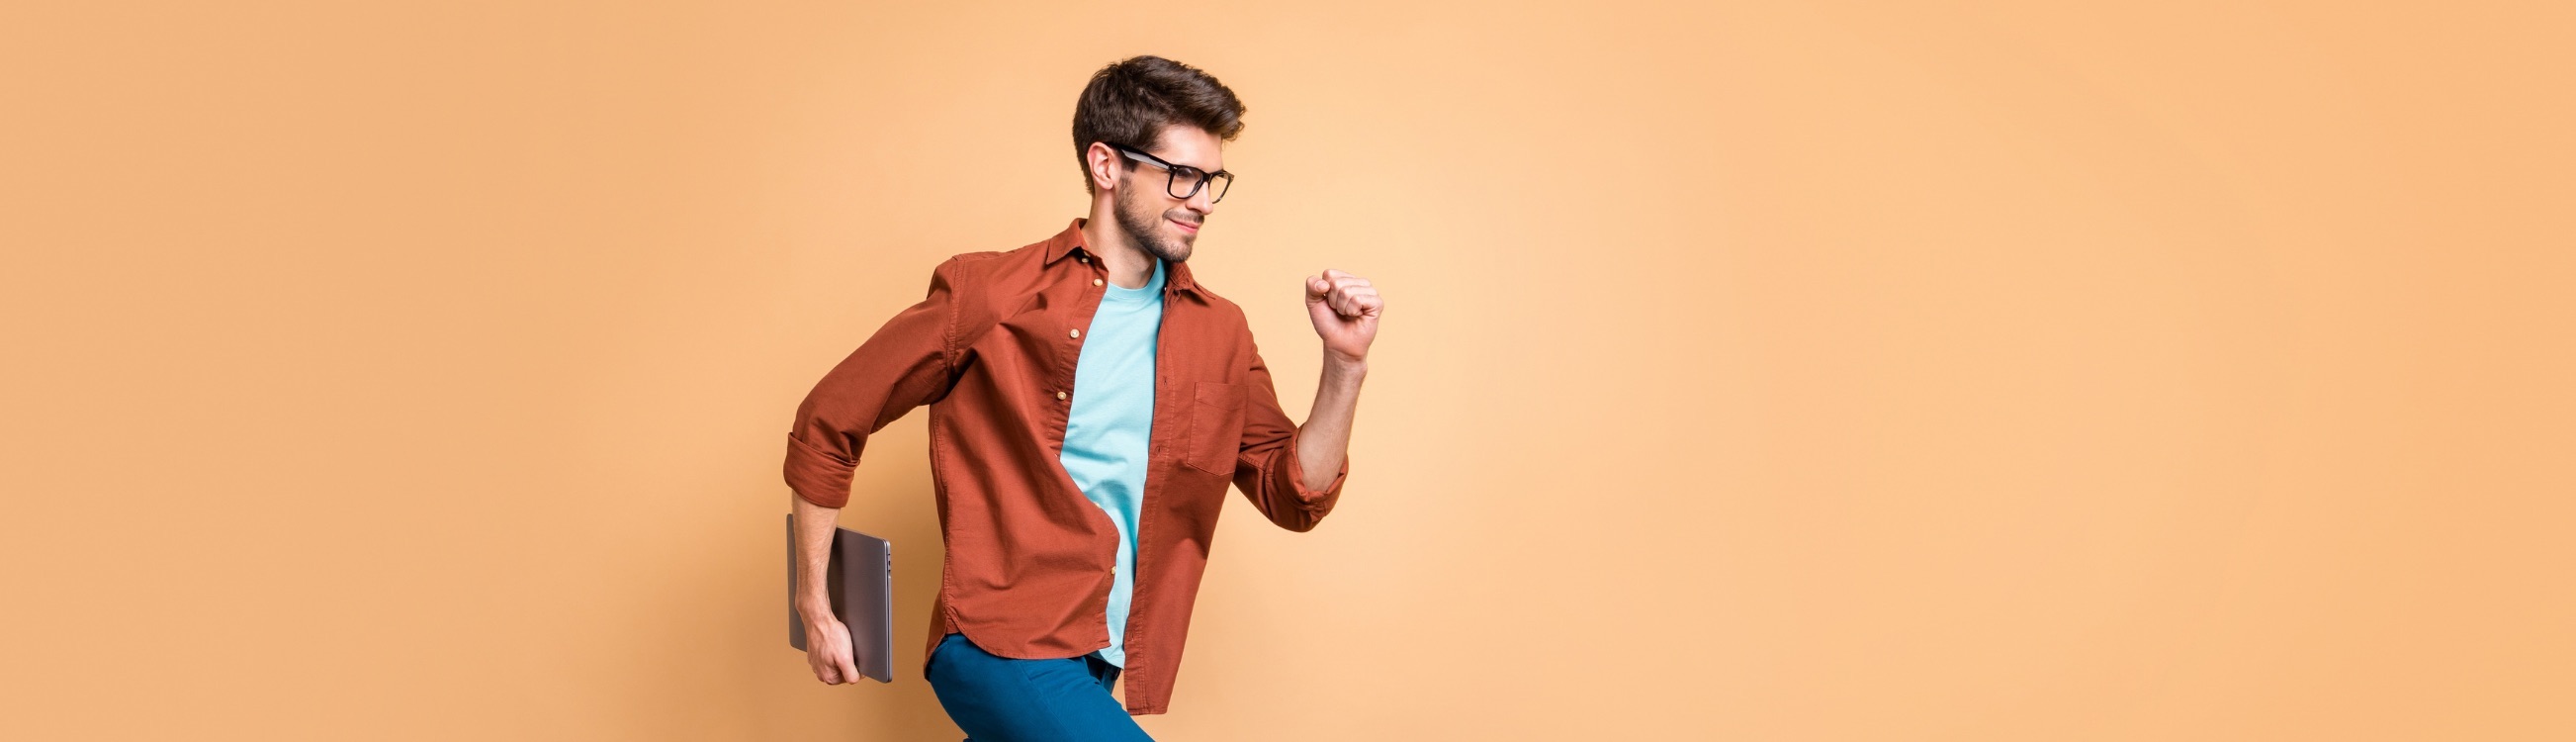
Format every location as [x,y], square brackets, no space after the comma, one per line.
[1764,371]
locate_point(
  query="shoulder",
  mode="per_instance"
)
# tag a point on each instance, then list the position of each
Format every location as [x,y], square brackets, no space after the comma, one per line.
[967,266]
[1224,308]
[1220,323]
[980,286]
[972,277]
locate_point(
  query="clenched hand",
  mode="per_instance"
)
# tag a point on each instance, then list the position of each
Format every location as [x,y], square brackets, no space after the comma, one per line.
[1345,310]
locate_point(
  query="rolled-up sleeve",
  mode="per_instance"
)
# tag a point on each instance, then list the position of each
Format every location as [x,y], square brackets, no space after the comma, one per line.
[906,364]
[1266,464]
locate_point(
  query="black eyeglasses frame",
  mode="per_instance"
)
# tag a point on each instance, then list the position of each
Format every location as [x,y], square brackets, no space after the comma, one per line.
[1172,181]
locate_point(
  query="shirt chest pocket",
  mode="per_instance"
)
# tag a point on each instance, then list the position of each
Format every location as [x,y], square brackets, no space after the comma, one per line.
[1216,427]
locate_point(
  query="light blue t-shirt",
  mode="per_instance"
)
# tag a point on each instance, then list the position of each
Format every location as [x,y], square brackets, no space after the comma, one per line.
[1111,421]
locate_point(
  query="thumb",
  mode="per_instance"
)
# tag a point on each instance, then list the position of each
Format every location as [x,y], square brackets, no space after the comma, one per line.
[1316,288]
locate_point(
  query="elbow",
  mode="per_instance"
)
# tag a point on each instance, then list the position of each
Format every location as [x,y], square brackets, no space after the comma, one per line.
[1304,508]
[1299,519]
[1275,481]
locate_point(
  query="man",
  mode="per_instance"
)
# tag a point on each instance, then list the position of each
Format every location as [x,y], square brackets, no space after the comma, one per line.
[1089,404]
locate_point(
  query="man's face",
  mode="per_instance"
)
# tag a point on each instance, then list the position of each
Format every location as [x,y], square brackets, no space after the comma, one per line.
[1147,212]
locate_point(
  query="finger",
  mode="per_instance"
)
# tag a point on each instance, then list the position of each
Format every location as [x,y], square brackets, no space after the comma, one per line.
[1332,274]
[849,668]
[1349,303]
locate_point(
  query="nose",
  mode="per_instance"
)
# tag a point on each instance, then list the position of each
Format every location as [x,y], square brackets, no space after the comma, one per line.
[1200,202]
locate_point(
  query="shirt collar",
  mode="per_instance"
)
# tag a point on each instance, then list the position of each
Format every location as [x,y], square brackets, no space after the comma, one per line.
[1070,241]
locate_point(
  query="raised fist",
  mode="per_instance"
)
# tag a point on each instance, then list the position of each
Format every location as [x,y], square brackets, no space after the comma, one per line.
[1345,309]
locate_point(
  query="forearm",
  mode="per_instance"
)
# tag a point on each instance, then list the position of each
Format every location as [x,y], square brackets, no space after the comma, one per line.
[1326,437]
[815,525]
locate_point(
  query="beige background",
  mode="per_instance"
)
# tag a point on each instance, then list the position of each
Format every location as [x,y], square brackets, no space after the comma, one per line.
[1784,371]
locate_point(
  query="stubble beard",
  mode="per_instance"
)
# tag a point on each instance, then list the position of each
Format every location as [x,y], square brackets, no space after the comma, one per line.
[1144,228]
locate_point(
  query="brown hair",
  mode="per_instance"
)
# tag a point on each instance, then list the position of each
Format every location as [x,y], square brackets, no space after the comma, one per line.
[1131,100]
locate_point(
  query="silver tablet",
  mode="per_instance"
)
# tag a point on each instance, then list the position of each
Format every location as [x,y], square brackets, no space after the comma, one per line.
[861,581]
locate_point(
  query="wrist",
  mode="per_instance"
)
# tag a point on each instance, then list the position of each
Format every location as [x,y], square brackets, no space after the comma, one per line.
[814,607]
[1335,362]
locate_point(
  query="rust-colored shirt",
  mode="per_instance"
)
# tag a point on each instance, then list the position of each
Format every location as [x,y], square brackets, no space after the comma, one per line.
[991,349]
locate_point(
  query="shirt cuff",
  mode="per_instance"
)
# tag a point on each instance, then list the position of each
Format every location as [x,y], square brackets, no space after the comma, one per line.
[816,475]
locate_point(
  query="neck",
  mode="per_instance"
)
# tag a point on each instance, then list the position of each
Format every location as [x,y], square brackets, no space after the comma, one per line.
[1128,264]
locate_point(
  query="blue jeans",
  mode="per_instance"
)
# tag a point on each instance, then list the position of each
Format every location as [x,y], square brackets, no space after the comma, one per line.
[999,699]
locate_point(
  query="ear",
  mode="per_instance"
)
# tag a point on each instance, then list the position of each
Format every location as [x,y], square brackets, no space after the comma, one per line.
[1103,163]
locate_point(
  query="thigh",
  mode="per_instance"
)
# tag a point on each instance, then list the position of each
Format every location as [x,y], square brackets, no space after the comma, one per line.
[999,699]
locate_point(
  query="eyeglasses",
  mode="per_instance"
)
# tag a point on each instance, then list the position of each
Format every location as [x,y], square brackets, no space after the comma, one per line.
[1182,174]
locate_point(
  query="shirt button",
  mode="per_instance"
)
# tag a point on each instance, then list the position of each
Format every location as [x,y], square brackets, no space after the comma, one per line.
[1081,259]
[1059,395]
[1077,333]
[1095,282]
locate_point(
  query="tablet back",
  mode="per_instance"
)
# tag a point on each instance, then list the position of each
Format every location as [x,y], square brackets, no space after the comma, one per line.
[861,581]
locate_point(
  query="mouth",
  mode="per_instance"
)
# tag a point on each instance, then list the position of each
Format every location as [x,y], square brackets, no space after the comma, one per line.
[1186,227]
